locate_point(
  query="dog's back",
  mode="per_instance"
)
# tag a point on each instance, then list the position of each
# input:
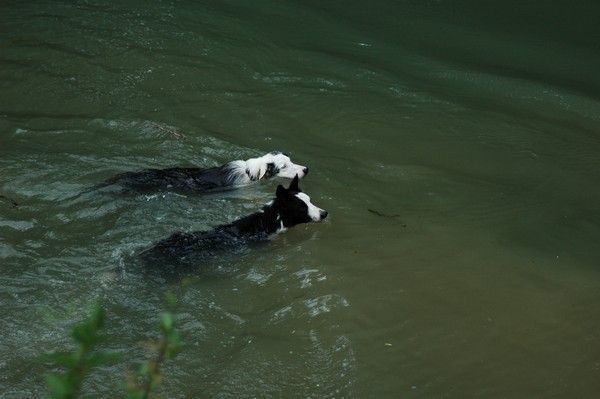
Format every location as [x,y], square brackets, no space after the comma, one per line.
[177,179]
[289,208]
[199,179]
[197,246]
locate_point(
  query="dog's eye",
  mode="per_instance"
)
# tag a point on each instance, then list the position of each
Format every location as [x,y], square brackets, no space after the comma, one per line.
[283,166]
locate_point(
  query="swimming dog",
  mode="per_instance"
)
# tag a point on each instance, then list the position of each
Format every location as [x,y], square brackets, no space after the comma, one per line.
[234,173]
[290,207]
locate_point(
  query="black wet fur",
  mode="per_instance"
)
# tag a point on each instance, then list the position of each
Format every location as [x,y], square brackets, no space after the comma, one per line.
[285,211]
[177,179]
[189,179]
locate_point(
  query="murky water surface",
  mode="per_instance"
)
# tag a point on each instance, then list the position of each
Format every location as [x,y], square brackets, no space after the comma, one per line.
[455,146]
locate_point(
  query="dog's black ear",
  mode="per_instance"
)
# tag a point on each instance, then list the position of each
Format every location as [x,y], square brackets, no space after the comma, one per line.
[271,170]
[281,192]
[294,185]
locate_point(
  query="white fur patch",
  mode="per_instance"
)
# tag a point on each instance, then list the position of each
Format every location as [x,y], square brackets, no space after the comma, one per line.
[257,167]
[286,167]
[238,170]
[281,228]
[315,213]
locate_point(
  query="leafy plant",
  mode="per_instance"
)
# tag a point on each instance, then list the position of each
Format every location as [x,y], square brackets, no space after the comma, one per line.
[79,362]
[149,374]
[86,357]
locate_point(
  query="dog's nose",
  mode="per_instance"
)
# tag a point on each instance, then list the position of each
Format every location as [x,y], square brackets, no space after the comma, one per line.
[305,170]
[323,214]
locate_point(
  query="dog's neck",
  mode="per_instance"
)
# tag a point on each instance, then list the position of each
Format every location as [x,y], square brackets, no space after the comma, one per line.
[267,221]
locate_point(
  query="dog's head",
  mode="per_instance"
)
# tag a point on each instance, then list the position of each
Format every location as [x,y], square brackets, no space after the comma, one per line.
[295,207]
[274,164]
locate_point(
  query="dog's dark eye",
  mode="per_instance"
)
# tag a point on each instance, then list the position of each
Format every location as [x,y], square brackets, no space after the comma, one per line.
[283,166]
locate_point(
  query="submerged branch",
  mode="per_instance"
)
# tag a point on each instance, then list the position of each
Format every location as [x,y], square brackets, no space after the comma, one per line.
[10,200]
[173,133]
[385,215]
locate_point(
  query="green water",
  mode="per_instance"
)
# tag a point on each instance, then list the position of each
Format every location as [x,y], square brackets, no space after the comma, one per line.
[456,146]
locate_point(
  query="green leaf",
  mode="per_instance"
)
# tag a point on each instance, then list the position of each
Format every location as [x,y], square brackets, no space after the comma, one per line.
[174,341]
[143,370]
[98,317]
[166,321]
[172,351]
[173,338]
[60,387]
[85,334]
[135,395]
[171,301]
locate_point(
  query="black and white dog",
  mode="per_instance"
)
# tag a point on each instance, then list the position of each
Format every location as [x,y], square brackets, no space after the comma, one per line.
[234,173]
[290,207]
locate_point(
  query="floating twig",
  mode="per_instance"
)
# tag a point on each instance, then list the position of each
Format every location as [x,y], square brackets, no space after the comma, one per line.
[173,133]
[385,215]
[12,201]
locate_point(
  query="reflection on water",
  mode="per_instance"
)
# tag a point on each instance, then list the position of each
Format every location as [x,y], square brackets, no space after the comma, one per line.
[455,147]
